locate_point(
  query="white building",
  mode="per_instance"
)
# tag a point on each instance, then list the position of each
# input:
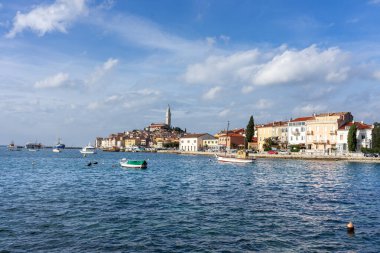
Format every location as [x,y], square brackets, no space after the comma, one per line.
[297,131]
[363,136]
[193,142]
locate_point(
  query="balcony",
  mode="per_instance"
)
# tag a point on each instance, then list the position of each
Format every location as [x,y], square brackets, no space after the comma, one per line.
[332,132]
[309,132]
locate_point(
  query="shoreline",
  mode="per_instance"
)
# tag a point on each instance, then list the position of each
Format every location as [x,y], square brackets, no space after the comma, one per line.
[280,156]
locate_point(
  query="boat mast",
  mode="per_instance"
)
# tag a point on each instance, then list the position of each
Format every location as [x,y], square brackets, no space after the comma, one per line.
[228,125]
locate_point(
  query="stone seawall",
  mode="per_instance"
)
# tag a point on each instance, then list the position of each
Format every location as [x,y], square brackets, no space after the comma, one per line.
[300,156]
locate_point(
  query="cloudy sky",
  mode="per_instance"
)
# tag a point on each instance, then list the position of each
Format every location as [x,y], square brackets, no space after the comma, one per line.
[78,69]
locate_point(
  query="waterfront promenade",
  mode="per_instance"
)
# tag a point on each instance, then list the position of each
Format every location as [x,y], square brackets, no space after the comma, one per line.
[356,157]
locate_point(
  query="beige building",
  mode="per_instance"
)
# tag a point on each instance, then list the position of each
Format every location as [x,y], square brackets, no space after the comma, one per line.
[321,132]
[277,130]
[211,144]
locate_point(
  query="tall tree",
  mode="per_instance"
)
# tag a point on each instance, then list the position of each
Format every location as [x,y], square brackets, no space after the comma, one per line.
[351,138]
[249,131]
[376,135]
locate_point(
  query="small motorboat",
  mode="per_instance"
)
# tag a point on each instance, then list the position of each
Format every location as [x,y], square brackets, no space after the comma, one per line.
[89,149]
[57,150]
[136,164]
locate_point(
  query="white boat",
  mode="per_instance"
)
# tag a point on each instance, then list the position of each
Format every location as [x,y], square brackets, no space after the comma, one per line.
[234,159]
[89,149]
[241,156]
[13,147]
[56,150]
[135,164]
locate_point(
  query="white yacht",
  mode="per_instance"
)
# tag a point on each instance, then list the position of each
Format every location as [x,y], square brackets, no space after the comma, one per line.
[89,149]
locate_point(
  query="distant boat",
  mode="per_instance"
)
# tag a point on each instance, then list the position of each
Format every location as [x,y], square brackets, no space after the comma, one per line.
[59,145]
[89,149]
[33,146]
[135,164]
[13,147]
[57,150]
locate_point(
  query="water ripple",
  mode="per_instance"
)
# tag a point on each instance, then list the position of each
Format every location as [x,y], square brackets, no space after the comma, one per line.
[55,203]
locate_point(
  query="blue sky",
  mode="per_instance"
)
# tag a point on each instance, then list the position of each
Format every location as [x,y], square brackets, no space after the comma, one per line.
[78,69]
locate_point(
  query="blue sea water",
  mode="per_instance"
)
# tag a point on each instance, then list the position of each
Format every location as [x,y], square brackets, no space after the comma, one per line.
[54,202]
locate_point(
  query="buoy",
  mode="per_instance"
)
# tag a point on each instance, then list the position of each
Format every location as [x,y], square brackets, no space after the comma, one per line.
[350,227]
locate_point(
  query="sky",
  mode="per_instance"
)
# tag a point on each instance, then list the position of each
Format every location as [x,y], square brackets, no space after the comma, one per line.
[79,69]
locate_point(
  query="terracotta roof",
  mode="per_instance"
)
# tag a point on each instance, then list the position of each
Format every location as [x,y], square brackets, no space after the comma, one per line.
[302,119]
[232,135]
[359,125]
[272,124]
[332,114]
[192,136]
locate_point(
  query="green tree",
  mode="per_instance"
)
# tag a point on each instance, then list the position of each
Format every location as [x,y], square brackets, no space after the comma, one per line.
[249,131]
[376,136]
[351,138]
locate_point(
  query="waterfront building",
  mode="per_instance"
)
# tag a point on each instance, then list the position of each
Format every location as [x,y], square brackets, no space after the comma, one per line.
[297,131]
[231,140]
[277,131]
[211,144]
[132,142]
[193,142]
[322,130]
[363,136]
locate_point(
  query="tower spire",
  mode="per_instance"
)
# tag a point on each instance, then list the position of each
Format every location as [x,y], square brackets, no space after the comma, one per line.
[168,120]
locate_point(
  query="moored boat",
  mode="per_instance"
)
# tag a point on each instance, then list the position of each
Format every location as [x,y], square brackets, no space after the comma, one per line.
[89,149]
[56,150]
[136,164]
[240,157]
[13,147]
[33,146]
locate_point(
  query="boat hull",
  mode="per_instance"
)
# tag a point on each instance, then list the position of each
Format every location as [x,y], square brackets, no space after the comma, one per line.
[133,164]
[87,152]
[234,159]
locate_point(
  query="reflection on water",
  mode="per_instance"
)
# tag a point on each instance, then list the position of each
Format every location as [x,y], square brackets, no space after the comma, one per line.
[55,202]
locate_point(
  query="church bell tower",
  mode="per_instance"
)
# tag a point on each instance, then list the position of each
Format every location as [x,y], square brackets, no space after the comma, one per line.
[168,120]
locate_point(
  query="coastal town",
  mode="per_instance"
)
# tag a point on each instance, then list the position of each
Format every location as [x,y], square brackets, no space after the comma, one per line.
[322,133]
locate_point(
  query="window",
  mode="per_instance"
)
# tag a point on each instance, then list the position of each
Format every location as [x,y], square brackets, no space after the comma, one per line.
[341,137]
[363,136]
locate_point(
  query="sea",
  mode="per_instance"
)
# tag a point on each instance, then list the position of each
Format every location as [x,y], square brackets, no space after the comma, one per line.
[58,202]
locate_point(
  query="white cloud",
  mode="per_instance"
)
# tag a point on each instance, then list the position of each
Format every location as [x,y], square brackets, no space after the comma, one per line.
[307,65]
[47,18]
[210,41]
[264,104]
[309,109]
[212,93]
[375,2]
[224,113]
[219,69]
[58,80]
[279,66]
[102,70]
[376,75]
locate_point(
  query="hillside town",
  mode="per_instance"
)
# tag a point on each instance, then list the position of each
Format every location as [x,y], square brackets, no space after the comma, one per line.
[318,133]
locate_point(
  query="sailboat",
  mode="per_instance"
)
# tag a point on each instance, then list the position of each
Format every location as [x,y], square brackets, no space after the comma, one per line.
[241,156]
